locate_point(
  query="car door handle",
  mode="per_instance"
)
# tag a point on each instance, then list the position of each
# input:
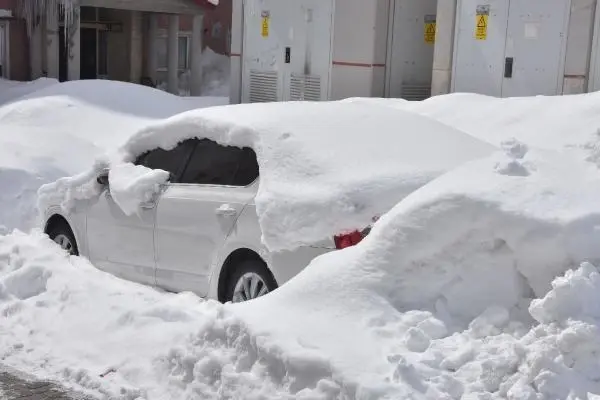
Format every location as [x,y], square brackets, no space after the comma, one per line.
[148,205]
[226,210]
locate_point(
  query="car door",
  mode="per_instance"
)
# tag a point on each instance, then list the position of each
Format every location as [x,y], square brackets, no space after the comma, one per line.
[124,245]
[196,215]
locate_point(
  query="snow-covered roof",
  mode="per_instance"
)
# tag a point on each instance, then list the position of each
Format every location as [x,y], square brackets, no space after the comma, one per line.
[325,167]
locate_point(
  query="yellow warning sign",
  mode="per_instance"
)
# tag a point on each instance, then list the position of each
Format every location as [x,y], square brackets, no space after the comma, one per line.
[430,26]
[266,16]
[481,22]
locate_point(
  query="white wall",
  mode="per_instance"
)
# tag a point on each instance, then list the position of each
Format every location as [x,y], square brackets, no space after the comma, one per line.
[237,29]
[359,48]
[579,46]
[444,47]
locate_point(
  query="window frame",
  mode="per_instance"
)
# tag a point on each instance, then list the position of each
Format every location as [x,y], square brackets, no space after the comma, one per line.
[182,170]
[176,176]
[179,183]
[164,36]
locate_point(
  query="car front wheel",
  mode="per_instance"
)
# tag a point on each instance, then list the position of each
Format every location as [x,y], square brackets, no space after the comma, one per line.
[62,235]
[250,280]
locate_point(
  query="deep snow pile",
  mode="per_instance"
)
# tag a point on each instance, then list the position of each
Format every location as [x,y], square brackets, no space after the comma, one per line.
[13,90]
[60,129]
[547,122]
[325,167]
[436,303]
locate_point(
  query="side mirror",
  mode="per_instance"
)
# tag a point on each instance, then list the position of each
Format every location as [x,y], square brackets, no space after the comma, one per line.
[102,179]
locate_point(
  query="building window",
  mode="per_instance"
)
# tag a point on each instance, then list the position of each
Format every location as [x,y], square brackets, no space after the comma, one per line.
[183,53]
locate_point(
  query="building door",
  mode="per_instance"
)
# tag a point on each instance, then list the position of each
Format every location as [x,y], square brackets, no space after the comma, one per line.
[287,50]
[535,45]
[479,62]
[510,48]
[265,37]
[3,50]
[89,53]
[410,59]
[63,56]
[308,59]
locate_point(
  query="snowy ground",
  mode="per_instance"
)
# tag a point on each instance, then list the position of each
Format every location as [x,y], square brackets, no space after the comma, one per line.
[480,285]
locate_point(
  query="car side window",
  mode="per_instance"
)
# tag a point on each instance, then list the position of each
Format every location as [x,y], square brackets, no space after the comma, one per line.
[172,161]
[213,164]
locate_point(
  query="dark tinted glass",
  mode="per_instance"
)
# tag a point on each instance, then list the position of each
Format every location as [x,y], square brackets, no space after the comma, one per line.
[172,161]
[213,164]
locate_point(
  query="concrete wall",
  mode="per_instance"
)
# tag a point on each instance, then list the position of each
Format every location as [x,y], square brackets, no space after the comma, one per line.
[237,17]
[359,43]
[381,40]
[579,46]
[441,76]
[8,4]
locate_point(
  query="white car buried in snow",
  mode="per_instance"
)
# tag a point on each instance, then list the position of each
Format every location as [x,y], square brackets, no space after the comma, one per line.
[182,205]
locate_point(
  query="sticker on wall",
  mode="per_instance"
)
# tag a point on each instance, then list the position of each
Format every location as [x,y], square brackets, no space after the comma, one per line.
[481,22]
[532,30]
[429,33]
[266,16]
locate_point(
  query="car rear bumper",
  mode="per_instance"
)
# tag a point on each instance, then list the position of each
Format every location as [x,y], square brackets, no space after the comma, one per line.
[287,264]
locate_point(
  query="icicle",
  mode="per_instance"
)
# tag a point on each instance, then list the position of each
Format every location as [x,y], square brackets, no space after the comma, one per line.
[34,10]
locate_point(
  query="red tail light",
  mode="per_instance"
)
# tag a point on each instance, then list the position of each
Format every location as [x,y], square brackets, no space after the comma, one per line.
[349,239]
[353,238]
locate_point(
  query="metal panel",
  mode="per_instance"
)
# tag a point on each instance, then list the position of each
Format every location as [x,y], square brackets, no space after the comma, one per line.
[264,87]
[308,58]
[287,45]
[410,57]
[479,64]
[305,88]
[536,45]
[416,92]
[264,48]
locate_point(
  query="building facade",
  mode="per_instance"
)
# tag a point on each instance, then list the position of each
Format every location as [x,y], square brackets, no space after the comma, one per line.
[412,49]
[153,42]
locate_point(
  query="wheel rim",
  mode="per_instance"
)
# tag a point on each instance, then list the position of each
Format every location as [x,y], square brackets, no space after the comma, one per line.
[64,242]
[249,286]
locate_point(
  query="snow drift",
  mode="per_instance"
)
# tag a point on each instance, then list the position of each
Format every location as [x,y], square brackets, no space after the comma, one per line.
[13,90]
[546,122]
[58,130]
[325,167]
[453,295]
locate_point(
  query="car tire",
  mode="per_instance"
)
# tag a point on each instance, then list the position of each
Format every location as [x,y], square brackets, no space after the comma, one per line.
[62,234]
[244,275]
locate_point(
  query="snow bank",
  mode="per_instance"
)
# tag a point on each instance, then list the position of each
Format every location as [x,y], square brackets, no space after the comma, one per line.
[547,122]
[59,130]
[453,295]
[433,304]
[65,320]
[325,167]
[13,90]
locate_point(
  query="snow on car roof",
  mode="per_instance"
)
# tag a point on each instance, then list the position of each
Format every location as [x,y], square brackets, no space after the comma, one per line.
[325,167]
